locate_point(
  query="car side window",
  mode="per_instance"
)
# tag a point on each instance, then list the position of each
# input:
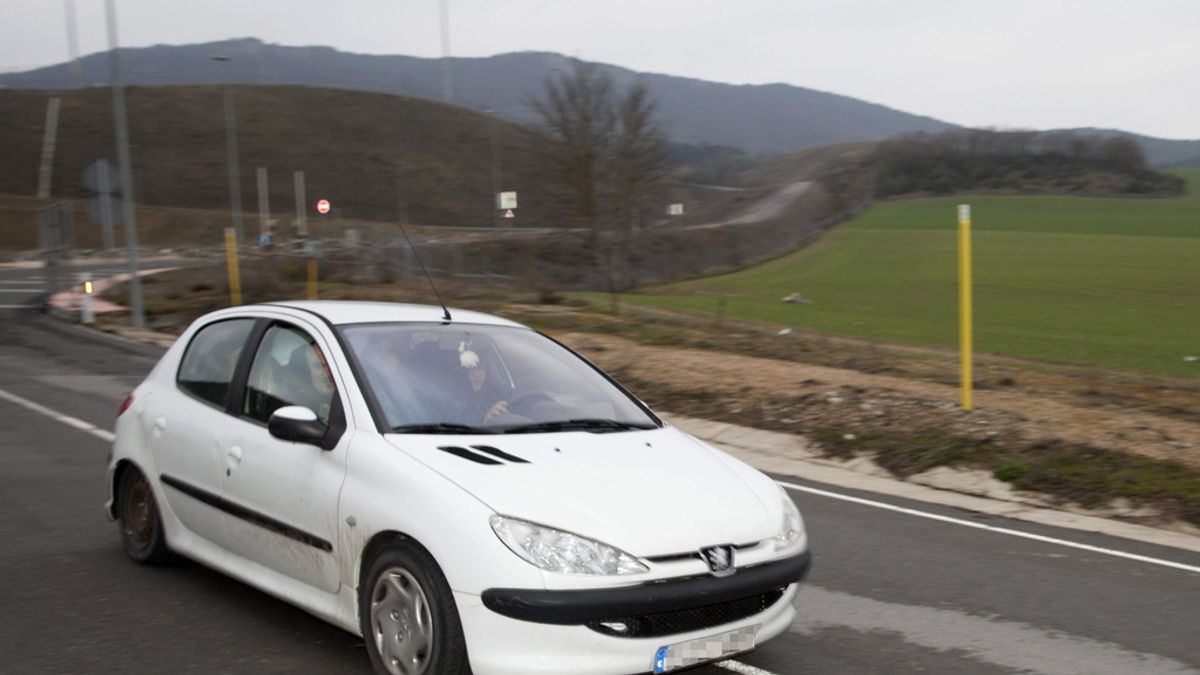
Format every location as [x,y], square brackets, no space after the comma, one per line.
[207,367]
[288,369]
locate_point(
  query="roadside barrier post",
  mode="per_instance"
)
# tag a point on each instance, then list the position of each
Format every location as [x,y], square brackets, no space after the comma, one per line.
[312,278]
[964,300]
[231,264]
[87,314]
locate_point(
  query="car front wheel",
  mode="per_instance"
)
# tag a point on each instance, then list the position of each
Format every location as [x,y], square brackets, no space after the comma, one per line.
[407,615]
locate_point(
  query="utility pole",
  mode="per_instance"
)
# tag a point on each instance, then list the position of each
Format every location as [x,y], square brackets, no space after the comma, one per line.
[447,76]
[231,159]
[49,137]
[495,170]
[264,205]
[126,168]
[301,206]
[73,43]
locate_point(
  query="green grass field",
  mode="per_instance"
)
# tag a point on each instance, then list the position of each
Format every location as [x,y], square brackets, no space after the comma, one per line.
[1100,281]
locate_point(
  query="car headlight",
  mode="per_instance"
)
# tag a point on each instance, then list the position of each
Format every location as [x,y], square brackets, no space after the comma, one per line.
[557,551]
[793,525]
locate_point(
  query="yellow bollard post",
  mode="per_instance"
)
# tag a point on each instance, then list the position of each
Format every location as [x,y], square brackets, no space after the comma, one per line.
[964,300]
[231,264]
[312,278]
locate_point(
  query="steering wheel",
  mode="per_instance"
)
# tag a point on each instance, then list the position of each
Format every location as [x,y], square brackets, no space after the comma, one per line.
[524,403]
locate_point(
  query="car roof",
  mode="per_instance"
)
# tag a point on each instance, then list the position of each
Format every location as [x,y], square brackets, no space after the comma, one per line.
[344,312]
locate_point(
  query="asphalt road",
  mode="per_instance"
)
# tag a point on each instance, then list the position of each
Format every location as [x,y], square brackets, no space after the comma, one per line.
[890,592]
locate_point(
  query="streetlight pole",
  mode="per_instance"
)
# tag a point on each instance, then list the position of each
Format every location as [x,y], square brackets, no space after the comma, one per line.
[125,162]
[495,171]
[231,158]
[447,76]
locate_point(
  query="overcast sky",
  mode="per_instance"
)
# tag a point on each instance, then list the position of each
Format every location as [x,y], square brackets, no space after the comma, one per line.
[1132,65]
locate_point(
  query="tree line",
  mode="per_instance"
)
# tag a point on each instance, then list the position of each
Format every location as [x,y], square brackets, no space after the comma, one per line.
[1017,161]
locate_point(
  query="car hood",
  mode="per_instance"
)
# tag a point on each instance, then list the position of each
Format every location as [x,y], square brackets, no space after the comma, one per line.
[654,492]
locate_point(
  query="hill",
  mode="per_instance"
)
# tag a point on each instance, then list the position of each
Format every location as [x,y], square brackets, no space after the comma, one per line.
[762,119]
[356,149]
[757,118]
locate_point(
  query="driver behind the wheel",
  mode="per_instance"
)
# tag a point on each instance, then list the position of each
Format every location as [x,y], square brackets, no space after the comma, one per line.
[483,400]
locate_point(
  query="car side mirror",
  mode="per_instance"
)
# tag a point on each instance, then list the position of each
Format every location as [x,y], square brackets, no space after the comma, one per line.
[297,424]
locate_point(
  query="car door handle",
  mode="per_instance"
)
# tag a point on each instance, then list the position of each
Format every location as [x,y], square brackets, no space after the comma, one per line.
[235,453]
[160,423]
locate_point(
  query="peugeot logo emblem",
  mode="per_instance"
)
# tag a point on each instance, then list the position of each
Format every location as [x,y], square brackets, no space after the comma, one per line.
[719,560]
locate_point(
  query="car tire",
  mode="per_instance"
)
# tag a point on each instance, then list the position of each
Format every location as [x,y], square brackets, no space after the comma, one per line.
[140,520]
[407,615]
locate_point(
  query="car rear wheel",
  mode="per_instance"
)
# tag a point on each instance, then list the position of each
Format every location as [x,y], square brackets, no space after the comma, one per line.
[139,520]
[407,615]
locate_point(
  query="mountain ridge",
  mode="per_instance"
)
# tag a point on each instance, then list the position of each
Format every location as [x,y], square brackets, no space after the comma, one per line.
[763,119]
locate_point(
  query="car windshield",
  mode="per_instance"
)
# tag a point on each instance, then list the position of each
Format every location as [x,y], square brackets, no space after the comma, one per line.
[436,378]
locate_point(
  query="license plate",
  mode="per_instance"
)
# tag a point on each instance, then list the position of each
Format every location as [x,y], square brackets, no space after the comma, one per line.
[700,650]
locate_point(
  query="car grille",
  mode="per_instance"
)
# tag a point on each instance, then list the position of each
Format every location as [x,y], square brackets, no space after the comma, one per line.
[685,620]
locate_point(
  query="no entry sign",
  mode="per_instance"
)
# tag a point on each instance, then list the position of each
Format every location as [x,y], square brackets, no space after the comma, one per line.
[322,206]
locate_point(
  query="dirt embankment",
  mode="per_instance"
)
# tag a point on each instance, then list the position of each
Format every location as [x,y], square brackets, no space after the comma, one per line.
[805,398]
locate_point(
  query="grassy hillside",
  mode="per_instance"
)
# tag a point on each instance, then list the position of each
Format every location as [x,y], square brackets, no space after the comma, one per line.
[1110,282]
[353,146]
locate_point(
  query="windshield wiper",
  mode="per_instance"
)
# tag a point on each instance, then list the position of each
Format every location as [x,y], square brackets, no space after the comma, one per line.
[439,428]
[593,425]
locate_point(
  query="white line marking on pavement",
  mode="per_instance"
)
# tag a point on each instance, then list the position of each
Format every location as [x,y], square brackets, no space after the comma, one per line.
[993,528]
[102,434]
[744,668]
[14,306]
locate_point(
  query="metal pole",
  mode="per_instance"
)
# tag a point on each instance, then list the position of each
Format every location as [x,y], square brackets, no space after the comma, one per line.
[447,76]
[301,206]
[264,203]
[49,136]
[125,162]
[495,172]
[964,301]
[73,44]
[231,158]
[231,267]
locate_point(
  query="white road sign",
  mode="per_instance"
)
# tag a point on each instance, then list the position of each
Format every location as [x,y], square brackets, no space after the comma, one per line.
[506,200]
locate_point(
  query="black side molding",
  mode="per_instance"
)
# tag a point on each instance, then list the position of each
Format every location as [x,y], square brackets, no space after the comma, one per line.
[571,608]
[248,515]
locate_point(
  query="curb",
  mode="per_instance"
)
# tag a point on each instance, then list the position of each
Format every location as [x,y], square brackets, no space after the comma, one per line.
[787,454]
[62,322]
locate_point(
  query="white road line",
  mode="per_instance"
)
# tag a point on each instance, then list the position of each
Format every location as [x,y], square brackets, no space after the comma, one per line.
[14,306]
[744,668]
[102,434]
[993,528]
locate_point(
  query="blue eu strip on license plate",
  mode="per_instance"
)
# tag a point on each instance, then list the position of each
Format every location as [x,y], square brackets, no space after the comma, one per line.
[701,650]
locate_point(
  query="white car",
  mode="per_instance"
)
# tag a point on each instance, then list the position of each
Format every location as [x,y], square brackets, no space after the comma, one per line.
[462,491]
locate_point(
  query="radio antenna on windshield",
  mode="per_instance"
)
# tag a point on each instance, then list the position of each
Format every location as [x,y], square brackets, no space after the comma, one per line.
[446,311]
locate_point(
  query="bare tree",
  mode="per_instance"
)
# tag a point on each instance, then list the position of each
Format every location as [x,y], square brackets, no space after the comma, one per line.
[640,157]
[578,112]
[610,153]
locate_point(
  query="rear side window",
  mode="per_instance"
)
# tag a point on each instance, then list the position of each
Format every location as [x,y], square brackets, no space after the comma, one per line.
[211,358]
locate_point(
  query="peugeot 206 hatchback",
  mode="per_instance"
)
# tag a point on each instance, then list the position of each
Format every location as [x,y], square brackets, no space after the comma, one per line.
[463,492]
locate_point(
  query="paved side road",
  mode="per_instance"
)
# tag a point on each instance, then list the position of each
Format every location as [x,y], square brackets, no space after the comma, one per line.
[897,586]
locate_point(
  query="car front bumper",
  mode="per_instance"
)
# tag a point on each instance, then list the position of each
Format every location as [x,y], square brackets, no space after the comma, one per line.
[512,631]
